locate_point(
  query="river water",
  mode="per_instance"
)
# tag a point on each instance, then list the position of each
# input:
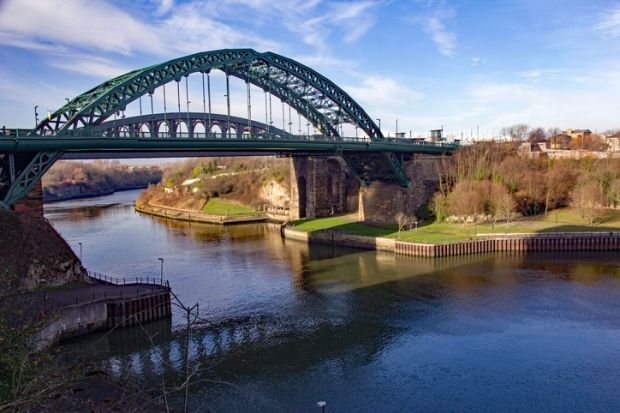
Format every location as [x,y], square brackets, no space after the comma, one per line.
[287,325]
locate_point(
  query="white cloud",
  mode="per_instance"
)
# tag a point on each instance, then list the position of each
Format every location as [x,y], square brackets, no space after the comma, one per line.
[95,25]
[443,39]
[164,7]
[381,91]
[609,24]
[191,28]
[506,103]
[88,65]
[434,25]
[537,74]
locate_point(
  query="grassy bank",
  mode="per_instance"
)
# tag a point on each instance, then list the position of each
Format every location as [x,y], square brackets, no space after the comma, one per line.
[216,206]
[562,220]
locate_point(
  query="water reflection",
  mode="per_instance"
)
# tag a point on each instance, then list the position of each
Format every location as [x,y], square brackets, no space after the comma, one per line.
[290,324]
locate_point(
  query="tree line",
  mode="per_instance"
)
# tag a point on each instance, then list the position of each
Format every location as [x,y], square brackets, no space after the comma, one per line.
[491,181]
[71,179]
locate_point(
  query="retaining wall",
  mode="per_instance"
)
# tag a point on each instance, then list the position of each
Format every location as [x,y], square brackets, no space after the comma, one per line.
[592,241]
[608,241]
[335,237]
[85,318]
[193,216]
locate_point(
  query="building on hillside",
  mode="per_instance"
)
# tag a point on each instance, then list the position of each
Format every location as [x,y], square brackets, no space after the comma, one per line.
[613,142]
[578,133]
[437,135]
[561,141]
[533,150]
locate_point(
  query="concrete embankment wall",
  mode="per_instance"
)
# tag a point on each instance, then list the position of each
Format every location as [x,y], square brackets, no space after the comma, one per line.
[340,238]
[515,243]
[607,241]
[85,318]
[194,216]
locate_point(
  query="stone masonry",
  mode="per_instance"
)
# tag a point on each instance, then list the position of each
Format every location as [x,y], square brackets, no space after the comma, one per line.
[380,202]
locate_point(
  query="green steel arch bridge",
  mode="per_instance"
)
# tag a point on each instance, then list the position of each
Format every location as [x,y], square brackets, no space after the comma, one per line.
[96,122]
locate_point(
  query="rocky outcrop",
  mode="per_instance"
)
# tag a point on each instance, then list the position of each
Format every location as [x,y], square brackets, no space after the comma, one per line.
[33,254]
[275,194]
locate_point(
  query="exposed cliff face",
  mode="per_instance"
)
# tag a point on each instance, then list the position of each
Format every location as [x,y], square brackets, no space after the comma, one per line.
[275,194]
[33,254]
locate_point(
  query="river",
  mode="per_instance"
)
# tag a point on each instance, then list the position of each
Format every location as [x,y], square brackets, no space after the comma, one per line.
[287,325]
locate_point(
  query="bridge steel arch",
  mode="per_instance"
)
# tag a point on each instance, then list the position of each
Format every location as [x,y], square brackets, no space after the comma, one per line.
[315,97]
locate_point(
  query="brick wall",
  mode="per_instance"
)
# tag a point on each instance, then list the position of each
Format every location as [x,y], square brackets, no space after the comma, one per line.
[32,203]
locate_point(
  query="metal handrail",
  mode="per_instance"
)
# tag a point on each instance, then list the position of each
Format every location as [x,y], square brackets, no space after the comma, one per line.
[46,305]
[128,281]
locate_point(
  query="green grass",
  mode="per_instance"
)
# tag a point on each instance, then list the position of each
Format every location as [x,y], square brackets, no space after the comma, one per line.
[568,220]
[216,206]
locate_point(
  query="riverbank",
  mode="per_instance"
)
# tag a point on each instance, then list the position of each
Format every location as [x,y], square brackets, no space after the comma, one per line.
[198,216]
[103,192]
[445,239]
[593,241]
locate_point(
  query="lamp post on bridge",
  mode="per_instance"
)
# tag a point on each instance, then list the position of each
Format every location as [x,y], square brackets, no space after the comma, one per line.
[322,405]
[80,251]
[36,116]
[379,121]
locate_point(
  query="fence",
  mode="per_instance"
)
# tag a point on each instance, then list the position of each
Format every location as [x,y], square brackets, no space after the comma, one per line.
[128,281]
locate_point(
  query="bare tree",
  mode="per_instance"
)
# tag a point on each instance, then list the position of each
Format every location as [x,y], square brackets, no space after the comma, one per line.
[588,199]
[466,199]
[501,203]
[537,135]
[401,221]
[516,132]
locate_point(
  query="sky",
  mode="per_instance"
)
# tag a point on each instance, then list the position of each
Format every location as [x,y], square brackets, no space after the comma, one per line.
[468,66]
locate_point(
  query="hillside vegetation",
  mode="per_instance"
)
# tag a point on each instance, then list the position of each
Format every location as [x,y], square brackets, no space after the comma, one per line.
[71,179]
[490,181]
[237,183]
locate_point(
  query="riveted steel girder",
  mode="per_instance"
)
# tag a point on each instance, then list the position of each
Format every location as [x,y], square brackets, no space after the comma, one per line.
[20,171]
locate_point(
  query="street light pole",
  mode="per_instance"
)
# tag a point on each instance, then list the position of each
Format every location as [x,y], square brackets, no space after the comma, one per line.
[36,116]
[161,273]
[322,405]
[80,251]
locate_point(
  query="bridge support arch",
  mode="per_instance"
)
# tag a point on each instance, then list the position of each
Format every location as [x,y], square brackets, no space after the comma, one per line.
[320,187]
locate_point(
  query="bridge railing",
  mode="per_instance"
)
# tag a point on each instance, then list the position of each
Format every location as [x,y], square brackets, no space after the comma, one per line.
[271,137]
[18,133]
[106,279]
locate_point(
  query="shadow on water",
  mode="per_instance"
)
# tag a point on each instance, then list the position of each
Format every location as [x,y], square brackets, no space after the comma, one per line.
[289,324]
[353,319]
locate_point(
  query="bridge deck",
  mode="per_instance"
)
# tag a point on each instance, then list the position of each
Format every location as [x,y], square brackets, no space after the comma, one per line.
[312,144]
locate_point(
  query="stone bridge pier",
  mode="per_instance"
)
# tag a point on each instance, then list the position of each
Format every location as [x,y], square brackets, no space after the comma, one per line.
[321,186]
[380,202]
[324,186]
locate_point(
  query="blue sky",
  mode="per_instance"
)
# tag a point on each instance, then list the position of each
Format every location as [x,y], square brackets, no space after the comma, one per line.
[459,64]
